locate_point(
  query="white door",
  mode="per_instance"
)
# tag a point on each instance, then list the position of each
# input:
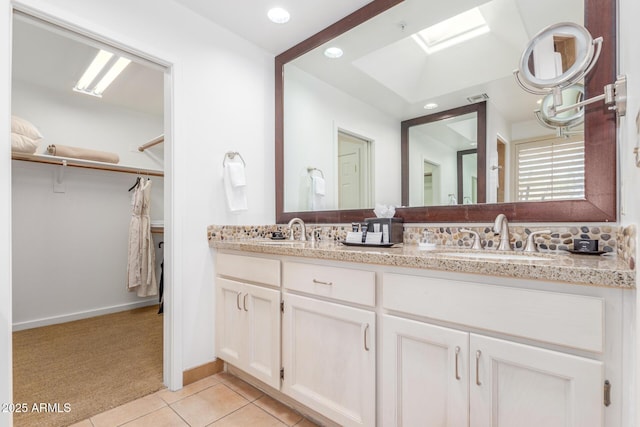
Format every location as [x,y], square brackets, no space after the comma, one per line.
[328,355]
[425,374]
[262,358]
[229,320]
[353,185]
[515,385]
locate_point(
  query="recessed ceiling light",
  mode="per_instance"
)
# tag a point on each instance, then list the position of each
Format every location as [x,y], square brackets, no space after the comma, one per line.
[278,15]
[95,80]
[431,106]
[333,52]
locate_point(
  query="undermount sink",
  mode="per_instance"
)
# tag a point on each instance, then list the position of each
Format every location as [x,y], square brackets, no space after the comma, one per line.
[496,256]
[286,243]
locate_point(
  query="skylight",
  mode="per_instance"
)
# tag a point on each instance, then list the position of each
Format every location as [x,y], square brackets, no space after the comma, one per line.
[452,31]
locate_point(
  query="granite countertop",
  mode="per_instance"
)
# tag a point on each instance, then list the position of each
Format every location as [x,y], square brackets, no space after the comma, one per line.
[593,270]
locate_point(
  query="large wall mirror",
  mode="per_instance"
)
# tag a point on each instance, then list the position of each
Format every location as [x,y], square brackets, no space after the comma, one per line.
[345,120]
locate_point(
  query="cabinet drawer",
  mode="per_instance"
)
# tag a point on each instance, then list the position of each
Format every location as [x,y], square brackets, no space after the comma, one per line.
[343,284]
[248,268]
[569,320]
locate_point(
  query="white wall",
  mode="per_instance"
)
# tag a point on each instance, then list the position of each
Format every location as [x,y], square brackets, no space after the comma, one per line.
[5,212]
[223,100]
[70,249]
[314,112]
[629,174]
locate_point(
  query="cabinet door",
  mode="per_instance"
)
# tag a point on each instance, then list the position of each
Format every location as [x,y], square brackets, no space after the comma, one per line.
[229,321]
[328,354]
[515,385]
[262,311]
[425,374]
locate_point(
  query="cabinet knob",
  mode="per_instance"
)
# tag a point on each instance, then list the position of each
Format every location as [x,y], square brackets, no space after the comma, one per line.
[457,360]
[238,300]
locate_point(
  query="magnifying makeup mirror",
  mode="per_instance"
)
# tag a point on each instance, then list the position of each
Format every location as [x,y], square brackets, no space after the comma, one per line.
[572,95]
[553,63]
[558,56]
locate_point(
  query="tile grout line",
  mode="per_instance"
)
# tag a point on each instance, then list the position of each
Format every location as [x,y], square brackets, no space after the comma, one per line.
[273,416]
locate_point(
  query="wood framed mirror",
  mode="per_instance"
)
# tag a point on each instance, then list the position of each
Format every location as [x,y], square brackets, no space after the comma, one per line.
[600,194]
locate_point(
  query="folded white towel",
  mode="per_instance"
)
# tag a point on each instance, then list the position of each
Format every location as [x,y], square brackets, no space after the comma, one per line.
[319,185]
[236,174]
[236,195]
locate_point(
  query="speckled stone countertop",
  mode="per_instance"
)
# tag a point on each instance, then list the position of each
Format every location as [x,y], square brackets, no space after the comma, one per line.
[593,270]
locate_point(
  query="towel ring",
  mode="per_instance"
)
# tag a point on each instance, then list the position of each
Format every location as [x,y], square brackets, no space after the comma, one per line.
[310,169]
[232,155]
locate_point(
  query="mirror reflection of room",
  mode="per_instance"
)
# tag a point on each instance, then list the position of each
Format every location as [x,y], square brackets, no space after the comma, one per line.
[412,68]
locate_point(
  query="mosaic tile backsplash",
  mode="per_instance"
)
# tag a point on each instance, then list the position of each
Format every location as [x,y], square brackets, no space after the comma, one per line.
[611,238]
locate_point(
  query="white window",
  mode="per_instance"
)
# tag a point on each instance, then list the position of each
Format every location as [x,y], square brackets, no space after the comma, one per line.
[550,169]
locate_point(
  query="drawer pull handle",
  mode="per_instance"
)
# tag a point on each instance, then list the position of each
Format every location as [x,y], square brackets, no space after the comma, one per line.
[244,302]
[478,354]
[238,300]
[457,359]
[319,282]
[366,344]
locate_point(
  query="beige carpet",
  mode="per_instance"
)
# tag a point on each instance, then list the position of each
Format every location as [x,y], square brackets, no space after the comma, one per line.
[91,365]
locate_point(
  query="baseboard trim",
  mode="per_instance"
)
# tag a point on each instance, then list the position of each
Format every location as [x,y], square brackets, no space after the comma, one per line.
[203,371]
[306,412]
[19,326]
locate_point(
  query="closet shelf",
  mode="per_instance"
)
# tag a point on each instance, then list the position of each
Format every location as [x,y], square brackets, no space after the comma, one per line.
[79,163]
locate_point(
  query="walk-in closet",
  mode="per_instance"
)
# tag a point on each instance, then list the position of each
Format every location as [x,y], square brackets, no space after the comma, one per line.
[88,200]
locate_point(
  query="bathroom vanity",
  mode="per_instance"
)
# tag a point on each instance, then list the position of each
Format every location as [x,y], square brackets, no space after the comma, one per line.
[397,336]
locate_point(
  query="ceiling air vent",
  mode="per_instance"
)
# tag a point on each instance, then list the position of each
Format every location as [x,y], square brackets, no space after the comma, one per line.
[477,98]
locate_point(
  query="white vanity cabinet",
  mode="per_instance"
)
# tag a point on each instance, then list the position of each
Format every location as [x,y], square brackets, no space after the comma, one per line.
[248,315]
[425,374]
[328,344]
[525,386]
[435,375]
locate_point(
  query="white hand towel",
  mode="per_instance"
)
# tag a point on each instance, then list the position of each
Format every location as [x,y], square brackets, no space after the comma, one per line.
[236,196]
[319,187]
[236,174]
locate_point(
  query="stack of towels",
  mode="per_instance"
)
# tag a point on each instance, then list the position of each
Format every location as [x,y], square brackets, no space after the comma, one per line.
[24,136]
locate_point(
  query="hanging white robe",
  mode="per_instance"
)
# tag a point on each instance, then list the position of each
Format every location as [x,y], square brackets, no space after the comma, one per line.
[141,269]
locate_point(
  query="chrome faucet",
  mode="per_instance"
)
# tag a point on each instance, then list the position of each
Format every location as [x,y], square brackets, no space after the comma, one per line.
[303,229]
[501,226]
[477,243]
[530,246]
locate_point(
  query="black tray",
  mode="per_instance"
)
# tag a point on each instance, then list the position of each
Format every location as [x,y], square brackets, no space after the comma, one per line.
[371,245]
[573,251]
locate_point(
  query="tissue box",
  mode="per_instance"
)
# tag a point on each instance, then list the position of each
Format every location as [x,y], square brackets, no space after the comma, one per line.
[396,227]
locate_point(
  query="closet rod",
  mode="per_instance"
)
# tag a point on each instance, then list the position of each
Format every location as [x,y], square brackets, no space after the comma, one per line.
[154,141]
[78,163]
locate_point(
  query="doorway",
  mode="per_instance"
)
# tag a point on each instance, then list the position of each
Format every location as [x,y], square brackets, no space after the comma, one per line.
[502,149]
[354,169]
[431,189]
[32,98]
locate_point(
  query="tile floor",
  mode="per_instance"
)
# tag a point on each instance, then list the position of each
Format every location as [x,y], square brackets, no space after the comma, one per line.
[221,400]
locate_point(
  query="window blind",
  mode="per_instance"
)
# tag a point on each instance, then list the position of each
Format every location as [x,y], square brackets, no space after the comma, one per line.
[549,170]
